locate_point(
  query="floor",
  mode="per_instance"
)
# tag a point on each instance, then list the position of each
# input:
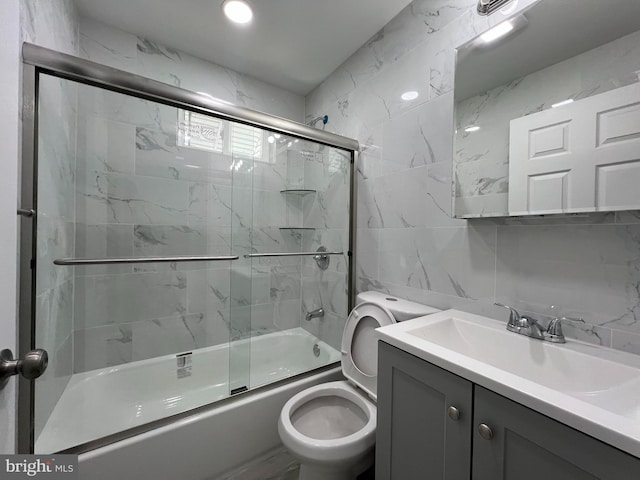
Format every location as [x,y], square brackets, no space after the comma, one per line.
[275,465]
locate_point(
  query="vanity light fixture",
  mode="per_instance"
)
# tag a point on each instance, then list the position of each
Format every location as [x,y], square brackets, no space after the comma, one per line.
[238,11]
[408,96]
[472,128]
[497,32]
[270,139]
[564,102]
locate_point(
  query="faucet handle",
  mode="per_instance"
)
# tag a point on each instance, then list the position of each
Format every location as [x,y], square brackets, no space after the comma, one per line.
[514,317]
[554,332]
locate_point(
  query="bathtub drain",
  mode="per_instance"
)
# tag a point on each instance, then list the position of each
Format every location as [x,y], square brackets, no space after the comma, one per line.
[316,350]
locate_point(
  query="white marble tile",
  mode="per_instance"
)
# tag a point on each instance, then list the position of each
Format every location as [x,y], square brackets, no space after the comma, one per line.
[108,46]
[55,240]
[413,139]
[626,341]
[163,336]
[418,197]
[209,291]
[103,241]
[54,316]
[104,145]
[365,63]
[418,22]
[589,271]
[56,148]
[212,206]
[457,261]
[116,107]
[367,244]
[116,198]
[52,24]
[107,299]
[100,347]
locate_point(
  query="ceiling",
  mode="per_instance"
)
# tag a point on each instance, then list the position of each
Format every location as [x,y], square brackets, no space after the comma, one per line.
[556,31]
[294,44]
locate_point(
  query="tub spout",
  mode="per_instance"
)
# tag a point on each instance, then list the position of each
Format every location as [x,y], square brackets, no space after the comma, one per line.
[315,314]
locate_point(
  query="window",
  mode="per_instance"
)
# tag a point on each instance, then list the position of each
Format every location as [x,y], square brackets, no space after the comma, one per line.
[200,131]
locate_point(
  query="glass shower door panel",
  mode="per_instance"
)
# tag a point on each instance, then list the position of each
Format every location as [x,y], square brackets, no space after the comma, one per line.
[300,203]
[122,177]
[245,145]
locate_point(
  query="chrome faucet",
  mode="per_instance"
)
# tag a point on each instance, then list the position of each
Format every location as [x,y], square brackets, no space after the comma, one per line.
[315,314]
[530,327]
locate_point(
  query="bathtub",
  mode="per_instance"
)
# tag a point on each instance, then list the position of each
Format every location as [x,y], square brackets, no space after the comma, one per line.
[103,402]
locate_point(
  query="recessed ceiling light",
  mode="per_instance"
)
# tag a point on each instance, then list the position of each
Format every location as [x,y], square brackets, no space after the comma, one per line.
[564,102]
[412,95]
[237,11]
[497,32]
[472,128]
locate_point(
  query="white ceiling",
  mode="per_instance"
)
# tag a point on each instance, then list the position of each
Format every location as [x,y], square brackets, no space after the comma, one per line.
[294,44]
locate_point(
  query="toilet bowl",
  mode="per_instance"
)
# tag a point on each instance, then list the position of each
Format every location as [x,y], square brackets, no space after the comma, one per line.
[330,428]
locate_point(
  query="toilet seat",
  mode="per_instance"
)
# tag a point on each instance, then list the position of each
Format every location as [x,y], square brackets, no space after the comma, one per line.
[360,346]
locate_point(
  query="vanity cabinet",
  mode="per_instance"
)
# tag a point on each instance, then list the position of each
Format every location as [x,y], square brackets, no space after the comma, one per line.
[494,438]
[415,436]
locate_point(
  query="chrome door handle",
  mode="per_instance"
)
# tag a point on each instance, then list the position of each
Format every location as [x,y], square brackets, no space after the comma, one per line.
[31,366]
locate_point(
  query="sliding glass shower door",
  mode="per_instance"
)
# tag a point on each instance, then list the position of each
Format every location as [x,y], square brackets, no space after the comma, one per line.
[181,258]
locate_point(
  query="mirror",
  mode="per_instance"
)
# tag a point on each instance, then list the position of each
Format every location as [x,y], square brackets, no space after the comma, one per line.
[548,111]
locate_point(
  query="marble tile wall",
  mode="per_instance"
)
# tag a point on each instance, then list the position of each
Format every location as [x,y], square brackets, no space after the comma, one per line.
[481,161]
[109,46]
[54,24]
[408,244]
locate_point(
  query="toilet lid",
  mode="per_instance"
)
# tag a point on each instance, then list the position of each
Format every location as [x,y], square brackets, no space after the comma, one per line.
[360,345]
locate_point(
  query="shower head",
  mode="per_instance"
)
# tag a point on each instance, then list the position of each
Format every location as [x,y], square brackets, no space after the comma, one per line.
[324,118]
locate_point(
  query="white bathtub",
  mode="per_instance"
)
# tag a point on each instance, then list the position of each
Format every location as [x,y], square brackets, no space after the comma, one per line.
[107,401]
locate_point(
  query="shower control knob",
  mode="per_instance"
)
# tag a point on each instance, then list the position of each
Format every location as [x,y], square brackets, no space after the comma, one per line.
[31,366]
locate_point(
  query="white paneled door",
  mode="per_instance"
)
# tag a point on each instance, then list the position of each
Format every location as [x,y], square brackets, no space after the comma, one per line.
[584,156]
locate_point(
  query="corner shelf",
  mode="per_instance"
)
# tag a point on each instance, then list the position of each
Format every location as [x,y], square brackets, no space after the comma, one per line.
[297,191]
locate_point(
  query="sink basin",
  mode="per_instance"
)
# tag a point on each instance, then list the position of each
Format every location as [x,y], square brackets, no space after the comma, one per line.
[562,369]
[591,388]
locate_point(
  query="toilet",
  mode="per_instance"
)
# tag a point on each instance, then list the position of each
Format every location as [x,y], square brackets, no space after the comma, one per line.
[330,428]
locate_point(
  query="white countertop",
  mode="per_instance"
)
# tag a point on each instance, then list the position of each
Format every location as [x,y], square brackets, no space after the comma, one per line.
[593,389]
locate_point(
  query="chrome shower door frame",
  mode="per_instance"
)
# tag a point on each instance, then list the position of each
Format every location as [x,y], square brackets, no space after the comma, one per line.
[38,60]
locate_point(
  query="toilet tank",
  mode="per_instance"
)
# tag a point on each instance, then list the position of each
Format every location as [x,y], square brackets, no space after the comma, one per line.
[401,309]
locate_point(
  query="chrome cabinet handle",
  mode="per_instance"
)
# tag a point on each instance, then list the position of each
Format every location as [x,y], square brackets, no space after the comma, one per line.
[485,431]
[31,366]
[454,413]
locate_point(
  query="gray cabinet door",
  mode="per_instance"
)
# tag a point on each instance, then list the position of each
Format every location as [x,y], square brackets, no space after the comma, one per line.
[416,439]
[527,445]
